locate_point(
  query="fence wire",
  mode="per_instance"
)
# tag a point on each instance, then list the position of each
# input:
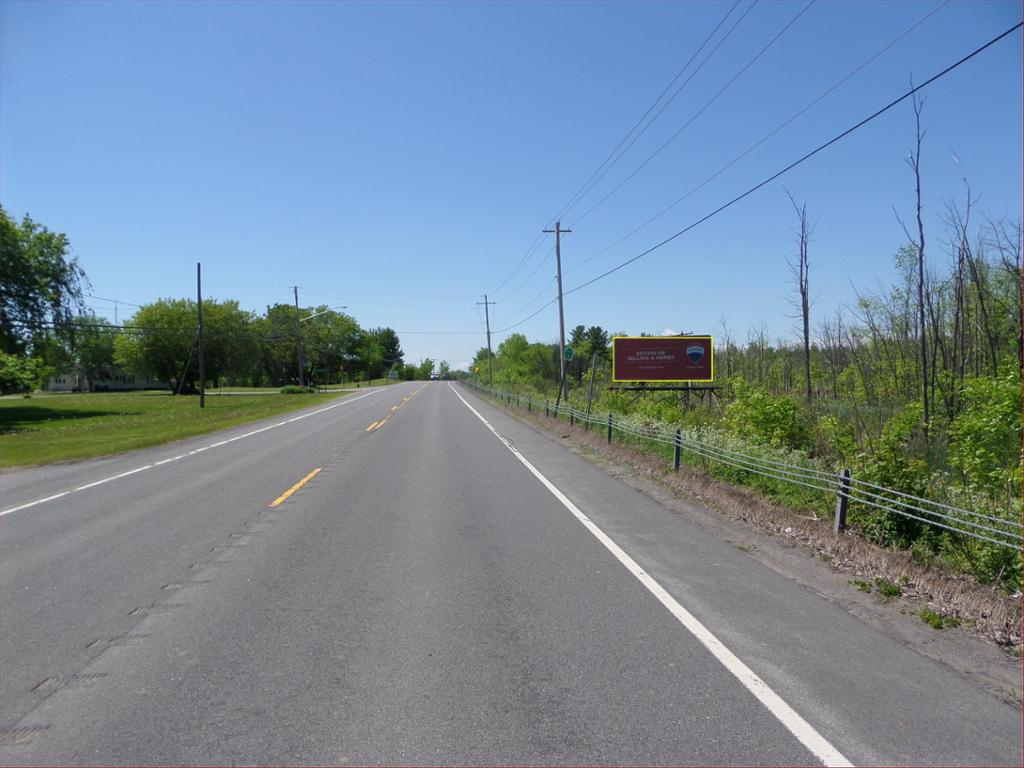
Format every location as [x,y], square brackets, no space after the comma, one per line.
[977,525]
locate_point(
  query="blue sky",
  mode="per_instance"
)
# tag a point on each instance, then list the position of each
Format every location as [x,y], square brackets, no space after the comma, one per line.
[401,158]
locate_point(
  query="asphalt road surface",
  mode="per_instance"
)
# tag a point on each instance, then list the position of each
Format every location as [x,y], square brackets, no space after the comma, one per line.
[447,587]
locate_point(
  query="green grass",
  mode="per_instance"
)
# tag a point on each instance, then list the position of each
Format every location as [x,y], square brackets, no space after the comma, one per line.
[937,620]
[45,429]
[887,589]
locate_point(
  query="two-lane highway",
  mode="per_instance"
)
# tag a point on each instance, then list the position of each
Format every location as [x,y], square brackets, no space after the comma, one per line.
[411,576]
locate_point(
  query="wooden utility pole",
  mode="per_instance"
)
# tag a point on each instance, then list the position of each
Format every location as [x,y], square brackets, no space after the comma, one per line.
[298,337]
[487,316]
[202,359]
[561,313]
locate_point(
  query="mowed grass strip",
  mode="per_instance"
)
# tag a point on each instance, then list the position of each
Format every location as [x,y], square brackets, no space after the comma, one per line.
[48,428]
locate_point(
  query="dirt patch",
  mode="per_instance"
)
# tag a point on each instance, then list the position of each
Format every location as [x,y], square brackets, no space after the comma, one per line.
[885,588]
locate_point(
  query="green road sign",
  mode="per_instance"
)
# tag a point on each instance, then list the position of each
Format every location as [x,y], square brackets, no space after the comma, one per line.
[568,354]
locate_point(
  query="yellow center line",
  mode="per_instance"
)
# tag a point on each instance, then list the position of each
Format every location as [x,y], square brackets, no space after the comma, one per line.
[378,424]
[295,487]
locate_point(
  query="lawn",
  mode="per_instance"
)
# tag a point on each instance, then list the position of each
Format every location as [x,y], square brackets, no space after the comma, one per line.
[48,428]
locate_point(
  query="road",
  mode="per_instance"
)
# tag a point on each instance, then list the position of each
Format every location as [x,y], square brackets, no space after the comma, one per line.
[450,587]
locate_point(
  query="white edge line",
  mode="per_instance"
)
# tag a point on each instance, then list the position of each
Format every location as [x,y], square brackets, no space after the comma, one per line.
[804,732]
[93,484]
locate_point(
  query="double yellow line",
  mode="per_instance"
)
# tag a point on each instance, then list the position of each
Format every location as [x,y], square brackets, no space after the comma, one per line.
[295,487]
[394,409]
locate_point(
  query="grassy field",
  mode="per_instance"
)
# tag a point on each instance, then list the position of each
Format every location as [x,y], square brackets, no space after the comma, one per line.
[48,428]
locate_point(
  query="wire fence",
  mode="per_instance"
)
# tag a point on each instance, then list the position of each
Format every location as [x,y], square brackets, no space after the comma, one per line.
[1001,531]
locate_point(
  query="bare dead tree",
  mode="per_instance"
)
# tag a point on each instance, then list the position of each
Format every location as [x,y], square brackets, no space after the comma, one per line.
[801,274]
[914,161]
[1006,239]
[727,337]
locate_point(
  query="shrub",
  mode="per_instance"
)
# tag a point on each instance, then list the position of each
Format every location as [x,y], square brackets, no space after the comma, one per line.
[773,420]
[20,374]
[985,436]
[291,389]
[898,463]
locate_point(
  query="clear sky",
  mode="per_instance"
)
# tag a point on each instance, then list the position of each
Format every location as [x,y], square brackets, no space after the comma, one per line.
[401,158]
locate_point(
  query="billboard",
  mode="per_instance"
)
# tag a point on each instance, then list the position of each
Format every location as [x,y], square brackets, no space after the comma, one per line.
[663,359]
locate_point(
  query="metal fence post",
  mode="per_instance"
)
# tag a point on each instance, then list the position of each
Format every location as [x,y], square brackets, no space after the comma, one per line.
[842,503]
[675,461]
[529,403]
[547,406]
[586,423]
[572,414]
[609,427]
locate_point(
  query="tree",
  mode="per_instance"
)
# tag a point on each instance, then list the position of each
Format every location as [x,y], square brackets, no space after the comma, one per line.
[93,346]
[330,342]
[801,278]
[389,343]
[163,344]
[598,341]
[40,282]
[914,161]
[578,365]
[425,369]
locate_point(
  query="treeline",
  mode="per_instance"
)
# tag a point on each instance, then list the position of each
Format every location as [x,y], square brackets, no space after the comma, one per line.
[245,348]
[866,371]
[45,330]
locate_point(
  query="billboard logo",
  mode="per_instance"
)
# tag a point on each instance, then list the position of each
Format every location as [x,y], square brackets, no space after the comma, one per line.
[695,352]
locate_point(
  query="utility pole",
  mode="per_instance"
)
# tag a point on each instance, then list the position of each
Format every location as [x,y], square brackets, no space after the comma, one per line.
[298,337]
[202,360]
[487,317]
[561,314]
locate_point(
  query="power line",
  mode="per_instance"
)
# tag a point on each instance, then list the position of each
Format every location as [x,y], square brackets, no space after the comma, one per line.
[590,182]
[795,163]
[529,251]
[113,301]
[529,277]
[697,114]
[750,149]
[598,172]
[776,175]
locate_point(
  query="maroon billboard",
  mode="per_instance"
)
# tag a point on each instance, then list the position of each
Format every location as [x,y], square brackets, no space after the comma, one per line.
[664,359]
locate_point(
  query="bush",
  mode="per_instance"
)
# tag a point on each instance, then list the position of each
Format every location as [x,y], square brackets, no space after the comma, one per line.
[898,463]
[986,435]
[20,374]
[291,389]
[775,420]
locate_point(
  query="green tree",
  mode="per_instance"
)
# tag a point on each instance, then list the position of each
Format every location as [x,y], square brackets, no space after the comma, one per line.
[164,345]
[425,369]
[330,343]
[389,343]
[986,435]
[20,374]
[93,346]
[41,284]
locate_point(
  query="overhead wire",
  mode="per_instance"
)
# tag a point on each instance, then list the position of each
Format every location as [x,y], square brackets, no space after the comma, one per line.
[696,115]
[768,136]
[588,184]
[594,177]
[797,162]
